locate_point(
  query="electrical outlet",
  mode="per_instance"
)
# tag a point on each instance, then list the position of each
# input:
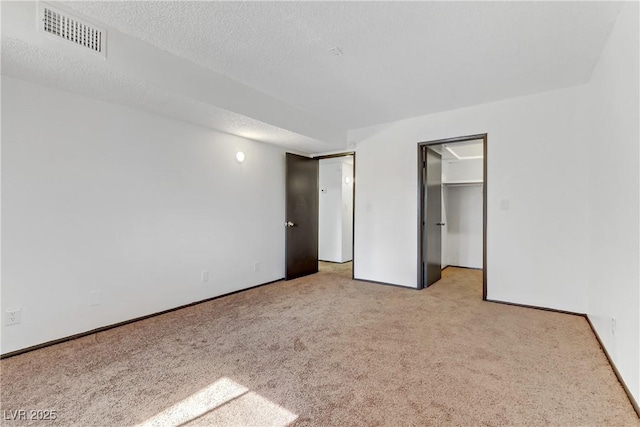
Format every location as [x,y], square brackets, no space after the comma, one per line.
[94,297]
[12,317]
[613,326]
[205,276]
[256,266]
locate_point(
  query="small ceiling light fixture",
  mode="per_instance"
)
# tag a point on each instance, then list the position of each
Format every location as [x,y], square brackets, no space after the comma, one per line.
[240,157]
[347,180]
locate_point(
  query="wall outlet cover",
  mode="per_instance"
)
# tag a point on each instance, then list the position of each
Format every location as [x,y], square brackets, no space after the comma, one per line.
[12,316]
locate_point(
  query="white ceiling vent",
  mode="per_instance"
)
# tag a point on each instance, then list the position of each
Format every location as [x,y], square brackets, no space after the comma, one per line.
[68,27]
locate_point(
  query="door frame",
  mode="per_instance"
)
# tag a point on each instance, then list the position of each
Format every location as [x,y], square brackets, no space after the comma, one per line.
[353,211]
[421,228]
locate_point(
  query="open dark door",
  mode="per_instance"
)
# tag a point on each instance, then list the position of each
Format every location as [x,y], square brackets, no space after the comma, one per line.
[301,224]
[432,220]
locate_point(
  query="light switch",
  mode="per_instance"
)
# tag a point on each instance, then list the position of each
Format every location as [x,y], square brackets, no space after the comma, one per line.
[504,204]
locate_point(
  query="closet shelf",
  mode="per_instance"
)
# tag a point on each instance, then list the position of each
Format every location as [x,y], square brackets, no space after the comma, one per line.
[469,182]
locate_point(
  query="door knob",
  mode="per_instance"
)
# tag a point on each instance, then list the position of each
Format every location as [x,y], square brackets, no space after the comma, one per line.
[440,223]
[289,224]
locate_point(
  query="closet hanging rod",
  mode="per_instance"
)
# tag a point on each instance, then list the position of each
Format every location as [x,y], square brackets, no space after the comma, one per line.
[464,183]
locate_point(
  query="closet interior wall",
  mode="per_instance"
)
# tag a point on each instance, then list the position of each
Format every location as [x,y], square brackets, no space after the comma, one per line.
[462,198]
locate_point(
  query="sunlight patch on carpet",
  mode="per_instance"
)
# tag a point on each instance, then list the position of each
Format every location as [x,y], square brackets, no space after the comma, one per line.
[224,402]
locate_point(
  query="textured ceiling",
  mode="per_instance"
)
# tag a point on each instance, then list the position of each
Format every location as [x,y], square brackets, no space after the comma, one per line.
[401,59]
[264,70]
[24,61]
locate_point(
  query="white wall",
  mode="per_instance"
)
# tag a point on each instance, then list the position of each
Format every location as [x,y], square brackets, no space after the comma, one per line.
[335,210]
[347,212]
[614,192]
[444,230]
[330,211]
[102,197]
[537,249]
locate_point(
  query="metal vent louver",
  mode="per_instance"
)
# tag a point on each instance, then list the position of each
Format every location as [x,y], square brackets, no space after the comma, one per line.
[69,28]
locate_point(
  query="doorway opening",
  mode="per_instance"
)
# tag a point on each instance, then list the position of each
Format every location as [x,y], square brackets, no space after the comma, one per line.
[303,196]
[336,213]
[452,207]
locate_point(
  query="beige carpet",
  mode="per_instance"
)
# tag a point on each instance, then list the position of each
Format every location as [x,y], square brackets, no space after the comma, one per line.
[325,350]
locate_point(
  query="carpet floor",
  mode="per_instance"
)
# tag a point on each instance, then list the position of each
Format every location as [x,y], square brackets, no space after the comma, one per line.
[327,351]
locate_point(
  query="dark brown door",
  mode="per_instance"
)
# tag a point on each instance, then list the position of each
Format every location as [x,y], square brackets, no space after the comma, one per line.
[432,237]
[301,223]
